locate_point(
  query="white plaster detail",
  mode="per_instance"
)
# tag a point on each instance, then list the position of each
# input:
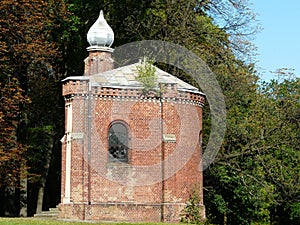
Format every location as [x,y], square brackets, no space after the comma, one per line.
[169,138]
[77,136]
[67,196]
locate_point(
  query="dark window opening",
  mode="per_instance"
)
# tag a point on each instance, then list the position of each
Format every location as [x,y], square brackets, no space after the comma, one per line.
[118,143]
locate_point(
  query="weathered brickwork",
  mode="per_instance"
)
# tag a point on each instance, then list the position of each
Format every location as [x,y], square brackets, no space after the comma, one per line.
[164,153]
[111,188]
[98,62]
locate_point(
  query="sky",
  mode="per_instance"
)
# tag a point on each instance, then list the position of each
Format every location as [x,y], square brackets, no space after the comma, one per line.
[278,44]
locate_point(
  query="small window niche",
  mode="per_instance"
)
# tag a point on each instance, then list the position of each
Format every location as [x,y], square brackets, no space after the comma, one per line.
[118,142]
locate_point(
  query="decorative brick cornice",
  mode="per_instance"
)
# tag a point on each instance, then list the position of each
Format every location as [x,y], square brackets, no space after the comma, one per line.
[193,100]
[166,93]
[75,87]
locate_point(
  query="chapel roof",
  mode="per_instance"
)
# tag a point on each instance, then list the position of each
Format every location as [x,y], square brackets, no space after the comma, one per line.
[126,77]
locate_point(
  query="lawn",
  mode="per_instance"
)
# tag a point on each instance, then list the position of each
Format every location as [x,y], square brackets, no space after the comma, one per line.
[33,221]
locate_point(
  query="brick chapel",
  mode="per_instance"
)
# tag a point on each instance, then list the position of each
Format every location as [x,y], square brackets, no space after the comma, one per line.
[127,156]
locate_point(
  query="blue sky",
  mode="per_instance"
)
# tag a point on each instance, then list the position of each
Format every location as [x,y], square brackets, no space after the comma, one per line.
[279,42]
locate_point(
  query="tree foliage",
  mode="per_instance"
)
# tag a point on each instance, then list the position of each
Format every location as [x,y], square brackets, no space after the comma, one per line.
[260,173]
[11,151]
[29,76]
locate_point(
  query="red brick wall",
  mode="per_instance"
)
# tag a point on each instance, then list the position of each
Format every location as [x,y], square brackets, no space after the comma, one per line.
[130,192]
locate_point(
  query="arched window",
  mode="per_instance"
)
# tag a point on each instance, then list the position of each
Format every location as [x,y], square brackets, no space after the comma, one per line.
[118,143]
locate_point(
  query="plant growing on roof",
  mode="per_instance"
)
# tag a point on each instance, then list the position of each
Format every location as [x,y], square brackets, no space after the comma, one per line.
[146,76]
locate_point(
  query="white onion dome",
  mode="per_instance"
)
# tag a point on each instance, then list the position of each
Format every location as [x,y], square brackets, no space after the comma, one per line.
[100,34]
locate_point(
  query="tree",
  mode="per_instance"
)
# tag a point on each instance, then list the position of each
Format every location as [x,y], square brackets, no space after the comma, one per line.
[237,19]
[258,166]
[12,152]
[280,131]
[29,47]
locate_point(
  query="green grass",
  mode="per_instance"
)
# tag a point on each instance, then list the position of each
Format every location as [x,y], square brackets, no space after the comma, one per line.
[33,221]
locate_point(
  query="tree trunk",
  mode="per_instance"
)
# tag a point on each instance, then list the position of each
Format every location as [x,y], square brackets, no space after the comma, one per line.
[10,206]
[39,206]
[23,191]
[225,218]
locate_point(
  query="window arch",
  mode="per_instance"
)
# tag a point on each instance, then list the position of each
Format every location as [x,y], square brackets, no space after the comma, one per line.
[118,142]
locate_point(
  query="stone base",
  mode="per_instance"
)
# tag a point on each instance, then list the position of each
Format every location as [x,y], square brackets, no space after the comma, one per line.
[122,212]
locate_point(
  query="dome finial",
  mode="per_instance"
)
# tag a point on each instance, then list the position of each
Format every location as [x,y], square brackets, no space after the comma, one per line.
[100,34]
